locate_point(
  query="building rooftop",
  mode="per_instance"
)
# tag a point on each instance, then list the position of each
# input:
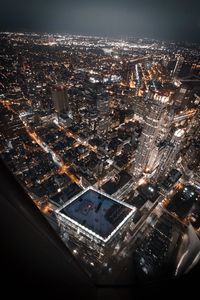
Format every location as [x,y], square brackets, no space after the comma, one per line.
[97,213]
[183,201]
[112,186]
[65,195]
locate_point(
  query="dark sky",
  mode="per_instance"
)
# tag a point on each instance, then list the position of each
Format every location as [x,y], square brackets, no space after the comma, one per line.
[172,19]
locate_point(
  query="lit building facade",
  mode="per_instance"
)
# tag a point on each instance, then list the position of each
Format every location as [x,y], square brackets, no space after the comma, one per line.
[179,63]
[103,109]
[169,154]
[154,131]
[92,223]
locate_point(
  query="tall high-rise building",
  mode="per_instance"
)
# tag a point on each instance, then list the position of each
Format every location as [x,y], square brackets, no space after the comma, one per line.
[179,63]
[161,141]
[191,156]
[169,154]
[153,132]
[92,224]
[60,99]
[103,115]
[181,97]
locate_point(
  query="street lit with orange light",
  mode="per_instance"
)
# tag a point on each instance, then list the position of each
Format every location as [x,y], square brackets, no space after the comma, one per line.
[103,136]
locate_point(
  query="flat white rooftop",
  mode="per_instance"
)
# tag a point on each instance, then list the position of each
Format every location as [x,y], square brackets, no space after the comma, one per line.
[96,213]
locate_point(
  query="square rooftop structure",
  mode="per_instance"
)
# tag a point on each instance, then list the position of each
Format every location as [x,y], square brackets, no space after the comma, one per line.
[95,214]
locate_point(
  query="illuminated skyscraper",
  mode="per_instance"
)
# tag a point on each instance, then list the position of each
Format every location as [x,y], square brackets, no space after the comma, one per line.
[181,97]
[103,115]
[169,154]
[153,132]
[178,65]
[92,224]
[161,141]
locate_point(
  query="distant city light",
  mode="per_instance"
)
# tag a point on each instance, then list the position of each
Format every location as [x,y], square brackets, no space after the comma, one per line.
[103,134]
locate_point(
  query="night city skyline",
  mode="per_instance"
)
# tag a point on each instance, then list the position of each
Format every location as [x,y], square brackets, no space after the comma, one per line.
[100,138]
[167,20]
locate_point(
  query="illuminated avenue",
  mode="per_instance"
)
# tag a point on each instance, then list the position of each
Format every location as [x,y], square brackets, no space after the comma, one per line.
[104,136]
